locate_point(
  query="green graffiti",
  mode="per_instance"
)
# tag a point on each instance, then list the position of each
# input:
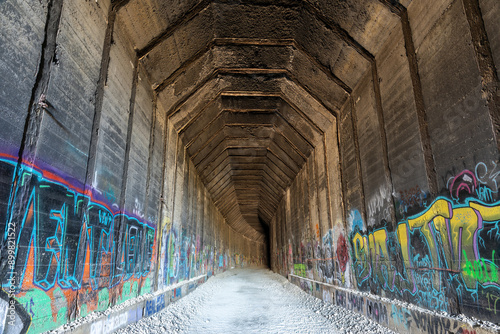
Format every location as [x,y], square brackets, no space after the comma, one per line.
[479,271]
[103,299]
[147,287]
[83,310]
[41,311]
[299,269]
[61,316]
[129,291]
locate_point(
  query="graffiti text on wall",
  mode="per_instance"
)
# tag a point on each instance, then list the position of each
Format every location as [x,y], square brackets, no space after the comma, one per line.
[63,235]
[447,241]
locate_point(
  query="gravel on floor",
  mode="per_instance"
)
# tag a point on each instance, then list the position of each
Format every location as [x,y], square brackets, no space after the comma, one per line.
[253,300]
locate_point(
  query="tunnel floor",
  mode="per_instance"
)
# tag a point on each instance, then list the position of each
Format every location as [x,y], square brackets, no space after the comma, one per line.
[253,300]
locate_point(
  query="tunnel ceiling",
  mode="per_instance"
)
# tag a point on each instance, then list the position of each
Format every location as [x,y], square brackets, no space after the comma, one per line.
[251,86]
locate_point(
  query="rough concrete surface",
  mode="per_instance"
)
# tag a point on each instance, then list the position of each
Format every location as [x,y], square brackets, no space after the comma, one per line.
[350,145]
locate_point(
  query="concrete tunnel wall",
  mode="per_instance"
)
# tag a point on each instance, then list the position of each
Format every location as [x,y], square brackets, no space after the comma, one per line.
[98,200]
[411,212]
[392,189]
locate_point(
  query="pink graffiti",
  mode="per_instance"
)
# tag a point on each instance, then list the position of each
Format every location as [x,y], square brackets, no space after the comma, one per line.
[464,181]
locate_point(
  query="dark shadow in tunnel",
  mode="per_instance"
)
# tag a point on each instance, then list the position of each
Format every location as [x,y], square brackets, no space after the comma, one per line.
[265,228]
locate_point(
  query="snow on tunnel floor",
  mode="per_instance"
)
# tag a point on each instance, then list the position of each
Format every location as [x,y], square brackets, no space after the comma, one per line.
[253,300]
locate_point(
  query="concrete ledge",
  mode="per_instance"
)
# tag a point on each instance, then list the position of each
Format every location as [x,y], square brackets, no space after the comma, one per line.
[394,314]
[131,311]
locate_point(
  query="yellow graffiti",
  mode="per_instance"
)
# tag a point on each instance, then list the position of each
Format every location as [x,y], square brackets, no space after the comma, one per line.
[488,213]
[452,237]
[456,229]
[361,248]
[404,238]
[380,256]
[166,224]
[440,209]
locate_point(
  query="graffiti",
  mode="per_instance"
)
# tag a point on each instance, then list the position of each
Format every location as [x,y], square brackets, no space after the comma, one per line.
[66,239]
[466,331]
[177,293]
[355,221]
[401,316]
[377,311]
[221,261]
[29,307]
[306,286]
[154,305]
[109,325]
[492,302]
[138,209]
[482,183]
[350,301]
[134,315]
[57,235]
[172,258]
[342,253]
[445,243]
[325,263]
[299,269]
[327,296]
[463,185]
[431,324]
[411,198]
[406,319]
[378,204]
[183,258]
[488,175]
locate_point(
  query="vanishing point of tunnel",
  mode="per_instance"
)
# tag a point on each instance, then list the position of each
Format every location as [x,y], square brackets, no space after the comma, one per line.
[350,146]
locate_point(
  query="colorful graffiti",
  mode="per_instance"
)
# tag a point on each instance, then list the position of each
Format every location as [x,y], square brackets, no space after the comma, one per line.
[60,238]
[299,269]
[184,259]
[54,235]
[355,221]
[445,243]
[320,259]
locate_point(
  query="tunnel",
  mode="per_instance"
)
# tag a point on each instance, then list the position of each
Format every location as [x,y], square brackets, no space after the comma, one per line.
[351,146]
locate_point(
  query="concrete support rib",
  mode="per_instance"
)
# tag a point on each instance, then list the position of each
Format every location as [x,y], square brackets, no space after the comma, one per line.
[484,57]
[161,206]
[37,107]
[341,167]
[383,137]
[170,29]
[129,134]
[99,93]
[354,122]
[152,139]
[430,165]
[38,102]
[127,152]
[394,6]
[249,42]
[340,32]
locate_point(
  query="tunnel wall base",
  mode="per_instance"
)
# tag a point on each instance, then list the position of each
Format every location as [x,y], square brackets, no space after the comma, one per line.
[138,308]
[393,314]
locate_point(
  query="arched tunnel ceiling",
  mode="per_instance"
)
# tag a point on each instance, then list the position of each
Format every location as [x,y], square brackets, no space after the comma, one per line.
[252,86]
